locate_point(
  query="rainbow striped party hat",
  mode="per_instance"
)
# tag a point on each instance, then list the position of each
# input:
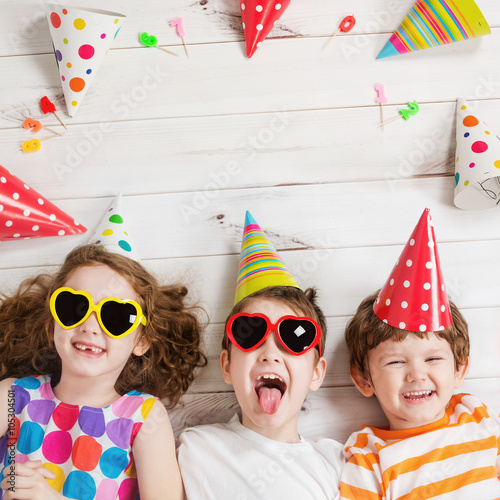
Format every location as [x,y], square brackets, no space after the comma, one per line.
[260,265]
[436,22]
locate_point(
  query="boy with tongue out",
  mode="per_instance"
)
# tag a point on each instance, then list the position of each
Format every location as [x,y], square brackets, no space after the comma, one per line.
[410,349]
[272,355]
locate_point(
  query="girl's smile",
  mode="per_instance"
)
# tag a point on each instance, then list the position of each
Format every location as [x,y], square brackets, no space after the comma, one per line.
[86,351]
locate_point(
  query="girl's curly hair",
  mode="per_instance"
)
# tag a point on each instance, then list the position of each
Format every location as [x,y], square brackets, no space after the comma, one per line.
[173,330]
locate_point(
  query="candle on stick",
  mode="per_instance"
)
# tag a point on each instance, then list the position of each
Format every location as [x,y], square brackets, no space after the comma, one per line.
[381,98]
[179,23]
[346,25]
[49,107]
[152,41]
[404,113]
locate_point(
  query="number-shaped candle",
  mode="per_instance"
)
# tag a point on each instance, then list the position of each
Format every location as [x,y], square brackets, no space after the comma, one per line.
[346,25]
[151,41]
[381,98]
[148,40]
[179,23]
[31,146]
[35,125]
[406,113]
[48,107]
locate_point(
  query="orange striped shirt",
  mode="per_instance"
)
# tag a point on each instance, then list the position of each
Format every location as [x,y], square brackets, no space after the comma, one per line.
[455,458]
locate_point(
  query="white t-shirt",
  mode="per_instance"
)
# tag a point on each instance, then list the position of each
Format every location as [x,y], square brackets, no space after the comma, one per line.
[231,462]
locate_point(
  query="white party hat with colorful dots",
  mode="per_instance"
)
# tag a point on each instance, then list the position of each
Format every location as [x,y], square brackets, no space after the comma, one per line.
[477,161]
[112,233]
[414,297]
[81,38]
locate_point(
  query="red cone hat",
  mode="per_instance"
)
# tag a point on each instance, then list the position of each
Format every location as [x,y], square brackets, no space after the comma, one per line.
[25,213]
[414,297]
[259,17]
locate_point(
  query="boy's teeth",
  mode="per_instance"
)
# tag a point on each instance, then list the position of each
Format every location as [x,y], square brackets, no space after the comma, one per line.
[417,393]
[270,375]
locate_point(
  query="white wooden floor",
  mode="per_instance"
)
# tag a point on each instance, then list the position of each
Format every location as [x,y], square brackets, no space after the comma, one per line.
[291,135]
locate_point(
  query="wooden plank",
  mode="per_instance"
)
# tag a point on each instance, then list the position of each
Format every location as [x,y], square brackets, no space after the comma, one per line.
[136,84]
[25,27]
[336,273]
[318,217]
[332,413]
[220,152]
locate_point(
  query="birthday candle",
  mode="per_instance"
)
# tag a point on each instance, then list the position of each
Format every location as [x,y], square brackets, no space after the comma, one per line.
[48,107]
[346,25]
[152,41]
[405,113]
[381,98]
[178,22]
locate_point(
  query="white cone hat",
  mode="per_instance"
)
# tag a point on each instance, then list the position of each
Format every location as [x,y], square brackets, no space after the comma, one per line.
[477,161]
[81,38]
[112,232]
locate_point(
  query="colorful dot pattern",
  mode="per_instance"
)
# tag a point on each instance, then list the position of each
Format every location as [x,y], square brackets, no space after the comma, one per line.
[81,39]
[258,18]
[414,297]
[477,159]
[25,214]
[260,265]
[88,449]
[112,232]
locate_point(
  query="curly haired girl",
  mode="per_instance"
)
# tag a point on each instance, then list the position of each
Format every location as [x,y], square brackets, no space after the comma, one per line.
[84,356]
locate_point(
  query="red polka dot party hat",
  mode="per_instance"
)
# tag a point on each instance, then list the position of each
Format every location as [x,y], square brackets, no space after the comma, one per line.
[259,17]
[112,232]
[81,38]
[25,213]
[414,297]
[477,161]
[260,265]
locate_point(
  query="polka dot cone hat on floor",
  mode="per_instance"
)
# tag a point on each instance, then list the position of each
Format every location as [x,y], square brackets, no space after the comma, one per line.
[258,18]
[414,297]
[260,265]
[25,214]
[81,38]
[477,161]
[112,233]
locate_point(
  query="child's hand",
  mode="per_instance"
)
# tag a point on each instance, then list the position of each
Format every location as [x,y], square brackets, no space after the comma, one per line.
[29,482]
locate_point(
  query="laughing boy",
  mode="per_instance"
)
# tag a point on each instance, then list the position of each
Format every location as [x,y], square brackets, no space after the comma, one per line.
[410,349]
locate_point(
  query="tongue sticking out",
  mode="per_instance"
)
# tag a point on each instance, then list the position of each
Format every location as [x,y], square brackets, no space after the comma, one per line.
[269,399]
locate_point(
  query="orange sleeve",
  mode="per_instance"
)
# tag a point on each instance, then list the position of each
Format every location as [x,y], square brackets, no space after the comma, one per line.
[361,478]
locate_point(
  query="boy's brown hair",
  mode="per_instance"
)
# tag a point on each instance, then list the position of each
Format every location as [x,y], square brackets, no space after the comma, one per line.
[301,302]
[365,331]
